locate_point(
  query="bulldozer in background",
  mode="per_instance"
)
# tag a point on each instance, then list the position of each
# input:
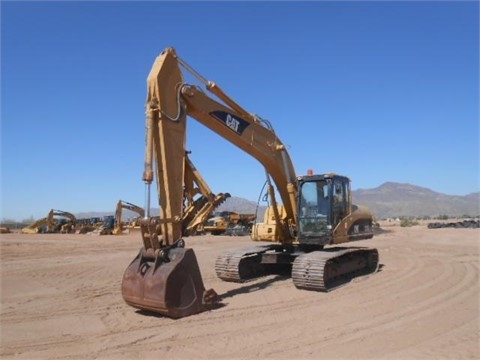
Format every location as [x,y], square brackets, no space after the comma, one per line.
[222,221]
[88,225]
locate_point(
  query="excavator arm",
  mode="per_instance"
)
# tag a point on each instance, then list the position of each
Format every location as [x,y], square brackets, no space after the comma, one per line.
[165,276]
[197,209]
[169,102]
[128,206]
[35,227]
[62,213]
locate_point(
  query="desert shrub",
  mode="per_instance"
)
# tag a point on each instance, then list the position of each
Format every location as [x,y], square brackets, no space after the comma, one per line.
[407,222]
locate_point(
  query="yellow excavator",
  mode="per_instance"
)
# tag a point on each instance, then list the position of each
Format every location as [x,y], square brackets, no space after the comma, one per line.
[55,221]
[38,226]
[315,210]
[118,214]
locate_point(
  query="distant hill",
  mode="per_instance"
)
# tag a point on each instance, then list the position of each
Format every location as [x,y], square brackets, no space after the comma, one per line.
[388,200]
[396,199]
[391,200]
[242,206]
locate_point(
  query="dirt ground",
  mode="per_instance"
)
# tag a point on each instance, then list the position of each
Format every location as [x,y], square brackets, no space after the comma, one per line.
[61,299]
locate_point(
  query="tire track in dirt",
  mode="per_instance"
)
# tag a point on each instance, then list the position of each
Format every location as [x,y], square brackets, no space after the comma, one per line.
[350,332]
[424,297]
[425,308]
[410,314]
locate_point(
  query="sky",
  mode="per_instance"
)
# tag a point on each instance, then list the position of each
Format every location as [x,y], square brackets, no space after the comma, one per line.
[378,91]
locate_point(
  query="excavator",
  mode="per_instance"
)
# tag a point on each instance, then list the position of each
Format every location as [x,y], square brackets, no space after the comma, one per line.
[299,233]
[38,226]
[51,223]
[118,214]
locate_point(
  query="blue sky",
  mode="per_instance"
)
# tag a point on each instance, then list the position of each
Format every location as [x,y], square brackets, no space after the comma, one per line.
[378,91]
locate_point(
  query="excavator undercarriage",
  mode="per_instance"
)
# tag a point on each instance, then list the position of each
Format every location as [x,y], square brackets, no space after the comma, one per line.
[321,270]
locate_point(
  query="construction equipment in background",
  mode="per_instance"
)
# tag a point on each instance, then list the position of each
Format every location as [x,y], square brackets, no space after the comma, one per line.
[104,226]
[4,230]
[119,225]
[86,225]
[316,210]
[199,202]
[63,222]
[56,221]
[38,227]
[219,223]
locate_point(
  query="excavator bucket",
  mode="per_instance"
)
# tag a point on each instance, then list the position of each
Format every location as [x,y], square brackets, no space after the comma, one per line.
[170,283]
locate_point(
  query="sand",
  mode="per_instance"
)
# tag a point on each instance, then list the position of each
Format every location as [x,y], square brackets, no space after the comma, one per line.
[61,299]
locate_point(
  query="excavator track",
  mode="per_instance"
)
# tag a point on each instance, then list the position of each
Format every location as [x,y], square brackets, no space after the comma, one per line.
[241,264]
[328,269]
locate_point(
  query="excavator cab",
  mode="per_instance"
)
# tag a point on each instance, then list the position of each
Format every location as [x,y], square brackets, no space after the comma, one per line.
[326,214]
[323,202]
[314,216]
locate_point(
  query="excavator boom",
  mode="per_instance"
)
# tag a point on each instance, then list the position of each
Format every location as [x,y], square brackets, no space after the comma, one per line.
[170,100]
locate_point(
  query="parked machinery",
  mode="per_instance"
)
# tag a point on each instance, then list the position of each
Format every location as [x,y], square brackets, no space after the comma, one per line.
[56,221]
[4,230]
[38,226]
[119,226]
[315,210]
[224,220]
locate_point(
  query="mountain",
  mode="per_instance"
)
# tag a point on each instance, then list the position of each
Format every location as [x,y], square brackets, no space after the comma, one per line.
[242,206]
[388,200]
[396,199]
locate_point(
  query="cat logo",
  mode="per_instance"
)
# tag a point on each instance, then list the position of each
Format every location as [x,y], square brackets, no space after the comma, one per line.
[233,122]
